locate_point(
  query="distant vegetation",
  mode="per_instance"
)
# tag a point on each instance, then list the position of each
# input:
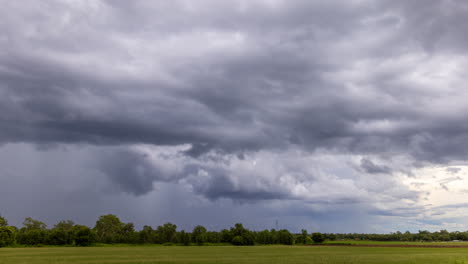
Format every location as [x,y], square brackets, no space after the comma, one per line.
[109,229]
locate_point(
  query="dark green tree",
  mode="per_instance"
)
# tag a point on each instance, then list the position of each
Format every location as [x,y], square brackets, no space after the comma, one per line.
[226,236]
[285,237]
[7,236]
[62,233]
[147,235]
[167,233]
[199,235]
[237,241]
[34,232]
[184,238]
[83,236]
[302,238]
[32,224]
[318,237]
[128,234]
[3,221]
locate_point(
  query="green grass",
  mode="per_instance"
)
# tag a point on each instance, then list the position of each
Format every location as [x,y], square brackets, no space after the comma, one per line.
[231,254]
[367,242]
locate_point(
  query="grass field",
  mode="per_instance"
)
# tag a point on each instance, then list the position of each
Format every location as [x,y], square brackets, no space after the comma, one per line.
[231,254]
[400,243]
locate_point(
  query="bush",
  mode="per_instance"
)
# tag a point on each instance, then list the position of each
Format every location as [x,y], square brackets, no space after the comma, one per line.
[32,237]
[318,237]
[248,239]
[7,236]
[84,236]
[237,241]
[285,237]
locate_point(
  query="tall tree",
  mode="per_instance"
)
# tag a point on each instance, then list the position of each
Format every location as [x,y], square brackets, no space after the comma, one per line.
[3,221]
[7,236]
[32,224]
[199,235]
[167,233]
[108,228]
[83,235]
[62,233]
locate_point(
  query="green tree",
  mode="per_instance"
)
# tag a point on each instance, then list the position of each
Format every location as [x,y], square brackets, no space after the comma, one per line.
[128,234]
[108,229]
[62,233]
[226,236]
[238,230]
[264,237]
[302,238]
[31,224]
[65,225]
[248,238]
[3,221]
[237,241]
[285,237]
[33,233]
[167,233]
[7,236]
[147,235]
[184,238]
[318,237]
[199,235]
[83,235]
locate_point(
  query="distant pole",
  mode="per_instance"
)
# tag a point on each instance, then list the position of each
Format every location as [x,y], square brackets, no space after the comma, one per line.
[276,224]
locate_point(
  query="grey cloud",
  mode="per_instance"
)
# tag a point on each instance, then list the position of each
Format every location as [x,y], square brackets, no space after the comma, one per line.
[372,168]
[373,79]
[402,212]
[453,170]
[272,89]
[133,174]
[221,186]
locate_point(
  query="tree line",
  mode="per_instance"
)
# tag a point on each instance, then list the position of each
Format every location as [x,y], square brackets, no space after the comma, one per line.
[109,229]
[422,235]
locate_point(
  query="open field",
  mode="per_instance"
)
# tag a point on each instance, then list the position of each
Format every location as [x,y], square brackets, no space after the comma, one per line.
[396,243]
[231,254]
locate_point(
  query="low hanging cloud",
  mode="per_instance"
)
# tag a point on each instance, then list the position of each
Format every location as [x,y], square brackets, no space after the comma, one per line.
[318,179]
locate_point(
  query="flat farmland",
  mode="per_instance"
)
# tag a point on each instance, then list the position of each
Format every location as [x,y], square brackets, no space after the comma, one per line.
[232,254]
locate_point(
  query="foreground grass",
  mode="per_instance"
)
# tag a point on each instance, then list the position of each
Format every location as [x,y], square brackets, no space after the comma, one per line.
[403,243]
[231,254]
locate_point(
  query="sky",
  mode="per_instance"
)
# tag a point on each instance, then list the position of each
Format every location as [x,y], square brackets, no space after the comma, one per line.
[332,116]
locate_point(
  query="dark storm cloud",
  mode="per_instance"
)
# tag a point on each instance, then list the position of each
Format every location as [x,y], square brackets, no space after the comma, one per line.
[135,172]
[221,186]
[255,91]
[130,172]
[256,80]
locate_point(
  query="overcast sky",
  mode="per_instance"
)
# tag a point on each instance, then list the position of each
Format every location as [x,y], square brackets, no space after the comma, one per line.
[335,116]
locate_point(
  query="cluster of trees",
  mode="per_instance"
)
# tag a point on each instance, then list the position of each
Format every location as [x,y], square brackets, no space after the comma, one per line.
[34,232]
[110,229]
[422,235]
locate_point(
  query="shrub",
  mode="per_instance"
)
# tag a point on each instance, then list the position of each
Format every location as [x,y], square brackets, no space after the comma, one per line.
[84,236]
[318,237]
[7,236]
[238,241]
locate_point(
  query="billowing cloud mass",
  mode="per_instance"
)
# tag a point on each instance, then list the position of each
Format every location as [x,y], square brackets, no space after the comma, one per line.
[338,116]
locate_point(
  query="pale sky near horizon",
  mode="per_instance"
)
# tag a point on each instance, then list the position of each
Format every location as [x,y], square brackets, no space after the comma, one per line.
[334,116]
